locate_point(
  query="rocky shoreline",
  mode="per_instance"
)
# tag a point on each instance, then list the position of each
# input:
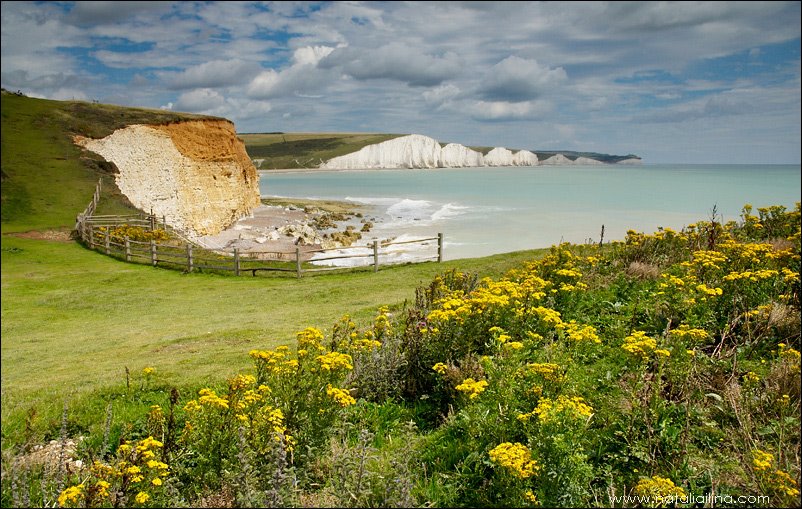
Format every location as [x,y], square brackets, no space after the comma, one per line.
[274,229]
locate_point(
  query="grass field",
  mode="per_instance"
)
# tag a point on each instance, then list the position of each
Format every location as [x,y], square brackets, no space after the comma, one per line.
[82,318]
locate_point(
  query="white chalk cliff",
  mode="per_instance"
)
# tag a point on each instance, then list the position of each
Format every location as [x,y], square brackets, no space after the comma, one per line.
[413,151]
[418,151]
[557,159]
[455,155]
[196,174]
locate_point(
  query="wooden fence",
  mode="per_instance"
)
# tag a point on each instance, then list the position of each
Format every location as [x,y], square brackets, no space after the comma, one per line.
[99,232]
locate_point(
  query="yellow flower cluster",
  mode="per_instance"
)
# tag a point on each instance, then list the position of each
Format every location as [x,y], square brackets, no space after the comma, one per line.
[761,460]
[135,468]
[341,396]
[549,371]
[71,496]
[275,361]
[148,371]
[472,388]
[209,398]
[548,410]
[788,353]
[709,259]
[440,368]
[660,490]
[240,382]
[777,480]
[334,361]
[574,407]
[686,333]
[516,457]
[753,276]
[310,339]
[709,292]
[506,293]
[639,344]
[579,333]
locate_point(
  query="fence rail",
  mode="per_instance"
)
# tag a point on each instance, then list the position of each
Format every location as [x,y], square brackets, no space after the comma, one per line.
[95,231]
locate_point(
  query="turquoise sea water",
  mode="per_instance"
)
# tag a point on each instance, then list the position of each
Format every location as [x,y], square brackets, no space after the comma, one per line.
[483,211]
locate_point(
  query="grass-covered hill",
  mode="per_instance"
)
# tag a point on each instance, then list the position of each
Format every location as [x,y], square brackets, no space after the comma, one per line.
[46,179]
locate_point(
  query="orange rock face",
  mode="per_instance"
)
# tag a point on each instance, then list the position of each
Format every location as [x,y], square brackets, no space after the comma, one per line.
[196,174]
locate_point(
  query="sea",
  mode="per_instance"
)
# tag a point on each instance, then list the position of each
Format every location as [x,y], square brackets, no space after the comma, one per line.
[492,210]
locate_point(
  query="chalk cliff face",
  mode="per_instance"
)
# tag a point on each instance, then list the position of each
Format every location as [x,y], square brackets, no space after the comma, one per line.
[413,151]
[499,156]
[455,155]
[557,159]
[524,158]
[196,174]
[418,151]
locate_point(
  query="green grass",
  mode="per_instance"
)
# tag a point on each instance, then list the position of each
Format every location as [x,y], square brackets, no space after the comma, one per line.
[305,150]
[73,320]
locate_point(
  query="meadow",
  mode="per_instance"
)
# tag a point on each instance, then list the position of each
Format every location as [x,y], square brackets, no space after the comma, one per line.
[664,368]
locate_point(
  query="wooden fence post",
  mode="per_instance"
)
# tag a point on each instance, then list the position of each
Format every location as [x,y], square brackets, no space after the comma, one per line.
[152,220]
[153,258]
[375,256]
[236,261]
[108,240]
[127,249]
[91,237]
[298,260]
[189,257]
[439,247]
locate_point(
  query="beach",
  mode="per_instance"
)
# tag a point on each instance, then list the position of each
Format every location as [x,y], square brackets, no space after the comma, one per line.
[280,225]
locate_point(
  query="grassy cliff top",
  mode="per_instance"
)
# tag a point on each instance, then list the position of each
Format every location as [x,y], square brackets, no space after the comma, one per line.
[46,179]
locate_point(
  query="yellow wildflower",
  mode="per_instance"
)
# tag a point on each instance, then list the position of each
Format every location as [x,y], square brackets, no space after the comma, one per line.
[341,396]
[71,495]
[440,368]
[472,388]
[660,490]
[515,457]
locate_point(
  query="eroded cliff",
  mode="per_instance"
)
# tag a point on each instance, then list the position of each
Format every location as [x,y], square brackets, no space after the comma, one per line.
[196,174]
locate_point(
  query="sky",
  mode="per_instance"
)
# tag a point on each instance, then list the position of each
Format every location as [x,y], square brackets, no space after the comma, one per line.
[673,82]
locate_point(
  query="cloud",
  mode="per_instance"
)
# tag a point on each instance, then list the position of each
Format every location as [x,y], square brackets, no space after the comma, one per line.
[213,74]
[503,110]
[99,13]
[211,102]
[516,79]
[200,100]
[396,62]
[302,77]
